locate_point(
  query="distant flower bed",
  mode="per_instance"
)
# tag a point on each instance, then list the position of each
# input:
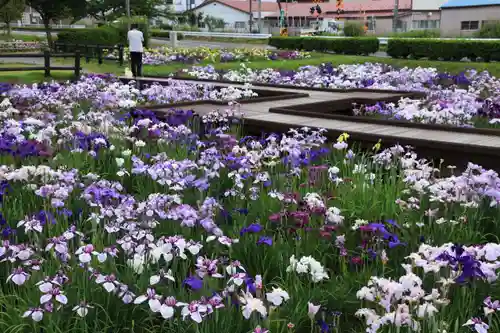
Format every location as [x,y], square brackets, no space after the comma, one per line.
[166,55]
[470,99]
[19,45]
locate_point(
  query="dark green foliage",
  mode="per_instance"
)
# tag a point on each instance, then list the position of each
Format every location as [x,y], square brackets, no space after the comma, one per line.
[490,30]
[427,33]
[106,35]
[165,34]
[95,36]
[447,50]
[354,29]
[359,46]
[289,43]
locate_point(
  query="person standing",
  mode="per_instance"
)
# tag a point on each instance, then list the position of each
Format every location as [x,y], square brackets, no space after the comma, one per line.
[135,40]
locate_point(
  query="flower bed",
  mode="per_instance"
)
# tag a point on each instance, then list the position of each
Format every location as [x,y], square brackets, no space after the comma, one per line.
[468,100]
[166,55]
[109,93]
[120,220]
[19,45]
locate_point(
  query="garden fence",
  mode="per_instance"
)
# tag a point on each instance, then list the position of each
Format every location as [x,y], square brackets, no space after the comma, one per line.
[90,51]
[47,68]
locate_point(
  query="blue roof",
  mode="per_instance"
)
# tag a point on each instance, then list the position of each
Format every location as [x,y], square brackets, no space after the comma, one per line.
[470,3]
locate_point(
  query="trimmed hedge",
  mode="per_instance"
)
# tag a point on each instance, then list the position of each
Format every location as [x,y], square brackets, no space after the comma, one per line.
[354,45]
[93,36]
[290,43]
[165,34]
[436,49]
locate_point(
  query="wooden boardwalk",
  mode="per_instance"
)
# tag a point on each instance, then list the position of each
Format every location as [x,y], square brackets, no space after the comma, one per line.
[258,114]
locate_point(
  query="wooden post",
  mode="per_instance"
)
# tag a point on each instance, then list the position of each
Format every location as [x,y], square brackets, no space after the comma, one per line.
[99,54]
[77,64]
[46,58]
[120,54]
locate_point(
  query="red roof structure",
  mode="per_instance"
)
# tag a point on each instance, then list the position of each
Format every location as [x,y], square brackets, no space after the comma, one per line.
[379,8]
[244,5]
[351,9]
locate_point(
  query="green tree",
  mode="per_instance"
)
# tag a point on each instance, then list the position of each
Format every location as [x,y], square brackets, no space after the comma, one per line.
[4,3]
[53,10]
[213,22]
[110,10]
[12,11]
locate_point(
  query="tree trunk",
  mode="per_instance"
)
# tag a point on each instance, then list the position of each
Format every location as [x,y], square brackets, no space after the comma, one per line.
[48,32]
[9,29]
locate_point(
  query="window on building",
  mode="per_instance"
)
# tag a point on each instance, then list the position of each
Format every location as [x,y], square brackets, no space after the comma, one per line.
[169,2]
[469,25]
[425,24]
[239,25]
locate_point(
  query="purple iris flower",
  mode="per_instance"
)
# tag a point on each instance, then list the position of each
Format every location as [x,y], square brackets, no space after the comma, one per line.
[193,283]
[394,223]
[250,283]
[252,228]
[46,217]
[265,240]
[324,327]
[242,211]
[4,189]
[459,260]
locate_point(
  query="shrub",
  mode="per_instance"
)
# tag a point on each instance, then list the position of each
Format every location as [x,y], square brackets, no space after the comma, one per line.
[164,26]
[289,43]
[363,45]
[435,49]
[431,33]
[354,29]
[490,30]
[95,36]
[165,34]
[185,27]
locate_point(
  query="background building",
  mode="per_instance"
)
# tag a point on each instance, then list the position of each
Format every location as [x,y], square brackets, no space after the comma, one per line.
[425,15]
[236,13]
[465,17]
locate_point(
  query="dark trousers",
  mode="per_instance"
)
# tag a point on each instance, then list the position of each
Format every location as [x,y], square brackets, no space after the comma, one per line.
[136,63]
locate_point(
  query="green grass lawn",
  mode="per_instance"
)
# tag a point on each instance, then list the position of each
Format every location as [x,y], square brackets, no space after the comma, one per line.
[38,76]
[25,38]
[34,77]
[316,59]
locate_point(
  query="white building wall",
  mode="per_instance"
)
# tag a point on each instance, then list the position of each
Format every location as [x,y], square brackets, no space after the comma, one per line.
[228,14]
[427,5]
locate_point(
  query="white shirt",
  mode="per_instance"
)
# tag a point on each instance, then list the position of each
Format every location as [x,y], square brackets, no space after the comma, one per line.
[135,39]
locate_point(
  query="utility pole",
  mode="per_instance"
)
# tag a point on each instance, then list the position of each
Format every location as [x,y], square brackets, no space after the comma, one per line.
[251,17]
[395,19]
[260,16]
